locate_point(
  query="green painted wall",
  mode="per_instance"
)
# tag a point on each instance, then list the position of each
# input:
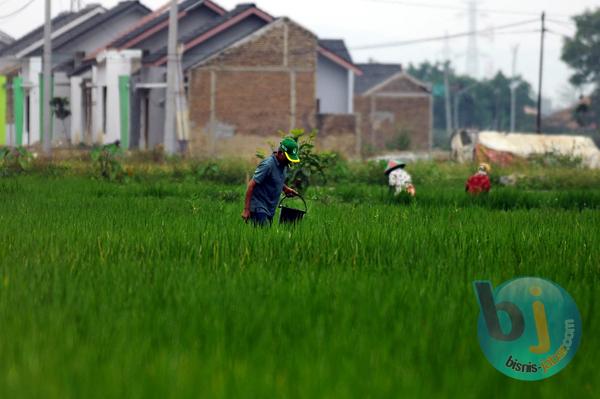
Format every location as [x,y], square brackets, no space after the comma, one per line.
[124,110]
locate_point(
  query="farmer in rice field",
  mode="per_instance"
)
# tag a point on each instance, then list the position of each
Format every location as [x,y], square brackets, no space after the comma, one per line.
[480,181]
[268,183]
[398,179]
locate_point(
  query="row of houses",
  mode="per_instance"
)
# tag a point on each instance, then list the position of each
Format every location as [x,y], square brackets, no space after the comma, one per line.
[247,75]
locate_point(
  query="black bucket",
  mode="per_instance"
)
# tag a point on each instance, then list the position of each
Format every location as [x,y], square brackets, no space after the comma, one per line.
[291,215]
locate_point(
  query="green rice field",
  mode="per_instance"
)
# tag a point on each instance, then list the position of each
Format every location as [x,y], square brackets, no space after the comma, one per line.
[157,289]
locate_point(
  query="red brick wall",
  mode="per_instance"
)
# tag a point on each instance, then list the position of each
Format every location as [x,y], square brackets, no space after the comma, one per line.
[199,98]
[253,90]
[411,117]
[395,115]
[306,99]
[337,132]
[256,103]
[362,106]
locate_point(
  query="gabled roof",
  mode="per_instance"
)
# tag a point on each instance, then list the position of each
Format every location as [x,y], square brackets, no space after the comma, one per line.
[374,74]
[336,46]
[377,76]
[239,42]
[116,11]
[160,20]
[58,22]
[336,51]
[5,39]
[89,27]
[231,18]
[240,12]
[83,67]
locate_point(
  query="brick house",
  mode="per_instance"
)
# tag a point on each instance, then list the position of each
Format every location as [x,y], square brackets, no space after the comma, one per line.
[244,95]
[247,75]
[251,75]
[395,109]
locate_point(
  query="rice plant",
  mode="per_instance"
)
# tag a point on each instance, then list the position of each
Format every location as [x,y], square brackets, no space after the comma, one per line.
[158,289]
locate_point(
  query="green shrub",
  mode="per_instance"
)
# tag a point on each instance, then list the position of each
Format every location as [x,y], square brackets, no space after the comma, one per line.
[14,160]
[400,142]
[232,171]
[556,159]
[108,161]
[370,172]
[313,166]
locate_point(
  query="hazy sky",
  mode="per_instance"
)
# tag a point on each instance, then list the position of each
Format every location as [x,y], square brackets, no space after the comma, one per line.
[366,22]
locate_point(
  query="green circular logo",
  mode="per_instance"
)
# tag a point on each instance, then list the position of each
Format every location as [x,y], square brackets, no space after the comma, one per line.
[528,328]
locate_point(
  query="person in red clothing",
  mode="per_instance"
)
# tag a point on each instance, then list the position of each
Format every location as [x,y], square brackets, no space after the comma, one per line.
[480,181]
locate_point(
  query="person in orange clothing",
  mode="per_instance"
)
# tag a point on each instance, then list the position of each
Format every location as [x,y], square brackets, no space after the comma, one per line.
[480,181]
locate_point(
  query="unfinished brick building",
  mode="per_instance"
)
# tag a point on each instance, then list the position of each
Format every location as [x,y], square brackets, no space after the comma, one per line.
[395,109]
[250,76]
[241,97]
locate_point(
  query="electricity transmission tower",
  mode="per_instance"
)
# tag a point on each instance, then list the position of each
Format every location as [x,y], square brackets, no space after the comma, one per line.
[75,5]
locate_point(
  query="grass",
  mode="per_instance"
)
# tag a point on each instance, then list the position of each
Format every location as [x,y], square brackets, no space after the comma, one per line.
[157,289]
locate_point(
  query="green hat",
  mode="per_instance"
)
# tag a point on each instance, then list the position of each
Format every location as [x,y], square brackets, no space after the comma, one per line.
[290,149]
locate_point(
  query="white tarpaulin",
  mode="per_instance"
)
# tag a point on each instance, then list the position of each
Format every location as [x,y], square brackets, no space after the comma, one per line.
[524,145]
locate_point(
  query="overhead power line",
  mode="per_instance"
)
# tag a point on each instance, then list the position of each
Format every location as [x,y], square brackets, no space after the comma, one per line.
[559,34]
[439,6]
[517,32]
[13,13]
[558,28]
[444,37]
[570,24]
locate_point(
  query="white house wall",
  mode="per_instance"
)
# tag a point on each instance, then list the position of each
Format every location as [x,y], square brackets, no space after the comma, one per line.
[111,65]
[350,92]
[61,129]
[333,87]
[76,110]
[98,82]
[32,67]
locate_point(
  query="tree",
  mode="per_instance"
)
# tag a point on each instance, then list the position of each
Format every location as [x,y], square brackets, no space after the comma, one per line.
[482,104]
[582,54]
[433,74]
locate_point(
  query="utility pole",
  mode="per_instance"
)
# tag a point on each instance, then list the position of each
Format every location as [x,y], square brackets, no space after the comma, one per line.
[170,126]
[447,98]
[513,90]
[456,101]
[46,111]
[539,102]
